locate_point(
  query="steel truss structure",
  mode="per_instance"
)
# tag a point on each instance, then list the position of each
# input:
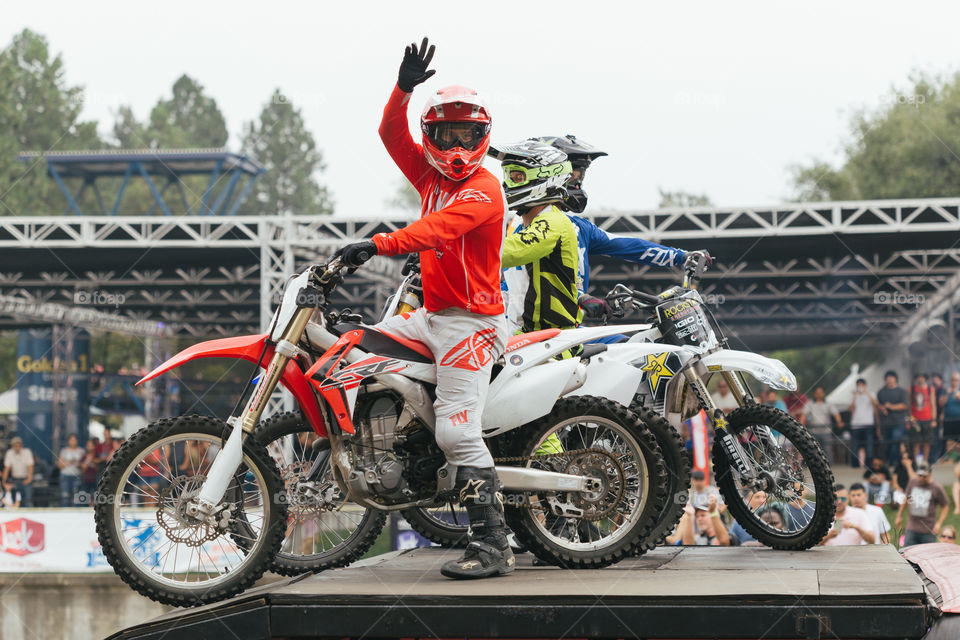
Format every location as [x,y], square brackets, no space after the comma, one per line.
[791,275]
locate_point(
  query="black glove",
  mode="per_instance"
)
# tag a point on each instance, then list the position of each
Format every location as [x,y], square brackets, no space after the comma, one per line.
[694,256]
[593,307]
[354,255]
[413,69]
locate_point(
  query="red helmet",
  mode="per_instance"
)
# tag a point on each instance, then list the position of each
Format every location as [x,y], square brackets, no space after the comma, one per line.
[456,131]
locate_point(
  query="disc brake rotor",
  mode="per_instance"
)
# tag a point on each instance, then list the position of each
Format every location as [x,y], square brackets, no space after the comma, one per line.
[597,464]
[172,516]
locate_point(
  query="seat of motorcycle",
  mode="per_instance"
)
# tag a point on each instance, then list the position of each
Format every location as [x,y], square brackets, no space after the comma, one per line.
[382,343]
[525,339]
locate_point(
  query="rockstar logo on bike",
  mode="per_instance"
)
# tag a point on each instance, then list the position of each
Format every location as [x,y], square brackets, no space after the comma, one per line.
[657,366]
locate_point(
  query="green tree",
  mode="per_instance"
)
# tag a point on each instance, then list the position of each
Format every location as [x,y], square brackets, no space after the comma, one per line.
[190,118]
[39,111]
[281,142]
[682,199]
[908,148]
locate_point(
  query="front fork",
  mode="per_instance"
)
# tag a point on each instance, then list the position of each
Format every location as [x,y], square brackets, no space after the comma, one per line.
[228,460]
[731,445]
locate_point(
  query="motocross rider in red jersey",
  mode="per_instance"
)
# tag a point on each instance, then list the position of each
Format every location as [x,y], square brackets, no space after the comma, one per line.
[459,237]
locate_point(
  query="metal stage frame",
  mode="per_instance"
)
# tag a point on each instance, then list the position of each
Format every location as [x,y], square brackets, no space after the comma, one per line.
[790,275]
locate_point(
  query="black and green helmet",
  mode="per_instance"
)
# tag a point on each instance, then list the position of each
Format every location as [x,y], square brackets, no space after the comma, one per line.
[534,173]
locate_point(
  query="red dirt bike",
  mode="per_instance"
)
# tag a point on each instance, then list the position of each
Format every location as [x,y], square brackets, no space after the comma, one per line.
[584,475]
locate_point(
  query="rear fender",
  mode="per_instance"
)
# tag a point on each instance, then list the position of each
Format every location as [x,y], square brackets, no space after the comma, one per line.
[528,395]
[249,348]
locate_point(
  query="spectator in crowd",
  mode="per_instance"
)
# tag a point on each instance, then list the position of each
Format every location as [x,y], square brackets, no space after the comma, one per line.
[878,519]
[950,403]
[18,471]
[818,419]
[106,449]
[851,526]
[894,404]
[89,471]
[796,403]
[151,473]
[71,456]
[723,398]
[923,410]
[956,490]
[863,422]
[936,449]
[774,400]
[923,497]
[948,534]
[710,529]
[903,472]
[701,492]
[739,535]
[879,482]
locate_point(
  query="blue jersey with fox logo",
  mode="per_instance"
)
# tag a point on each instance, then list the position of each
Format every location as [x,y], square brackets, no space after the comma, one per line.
[592,240]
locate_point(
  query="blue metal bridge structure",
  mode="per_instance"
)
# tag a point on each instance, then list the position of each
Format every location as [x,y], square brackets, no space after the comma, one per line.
[230,177]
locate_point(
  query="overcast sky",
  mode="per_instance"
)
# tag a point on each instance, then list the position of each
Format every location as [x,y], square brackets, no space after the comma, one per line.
[711,97]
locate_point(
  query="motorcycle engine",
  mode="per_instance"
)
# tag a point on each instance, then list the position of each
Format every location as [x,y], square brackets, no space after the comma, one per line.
[379,470]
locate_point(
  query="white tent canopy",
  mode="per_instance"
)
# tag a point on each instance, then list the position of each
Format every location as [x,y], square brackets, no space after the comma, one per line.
[9,402]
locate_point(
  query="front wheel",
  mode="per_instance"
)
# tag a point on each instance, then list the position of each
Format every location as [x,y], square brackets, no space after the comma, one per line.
[151,536]
[790,503]
[595,437]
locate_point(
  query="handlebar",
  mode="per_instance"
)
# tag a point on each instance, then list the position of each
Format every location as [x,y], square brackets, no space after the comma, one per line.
[411,265]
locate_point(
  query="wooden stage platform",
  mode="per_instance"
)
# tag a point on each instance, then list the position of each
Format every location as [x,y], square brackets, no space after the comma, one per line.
[689,592]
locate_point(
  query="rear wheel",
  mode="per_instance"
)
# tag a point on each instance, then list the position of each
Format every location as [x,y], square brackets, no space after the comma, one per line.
[590,436]
[677,462]
[323,529]
[791,503]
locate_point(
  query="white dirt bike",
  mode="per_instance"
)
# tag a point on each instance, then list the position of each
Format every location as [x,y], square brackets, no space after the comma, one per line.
[192,509]
[763,459]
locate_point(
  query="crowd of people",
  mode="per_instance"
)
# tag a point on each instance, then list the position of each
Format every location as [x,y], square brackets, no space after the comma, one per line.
[895,435]
[921,509]
[75,472]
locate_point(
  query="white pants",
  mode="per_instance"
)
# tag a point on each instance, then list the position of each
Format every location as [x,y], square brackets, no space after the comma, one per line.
[465,345]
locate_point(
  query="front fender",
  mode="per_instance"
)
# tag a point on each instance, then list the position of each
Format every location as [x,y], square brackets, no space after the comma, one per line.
[249,348]
[769,371]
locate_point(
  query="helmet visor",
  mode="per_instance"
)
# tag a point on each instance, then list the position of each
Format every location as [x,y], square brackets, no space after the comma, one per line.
[515,175]
[451,135]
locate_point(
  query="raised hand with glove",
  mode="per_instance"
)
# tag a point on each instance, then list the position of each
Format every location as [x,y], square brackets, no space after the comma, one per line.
[413,69]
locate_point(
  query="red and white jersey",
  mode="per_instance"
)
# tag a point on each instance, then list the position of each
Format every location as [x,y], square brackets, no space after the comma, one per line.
[461,228]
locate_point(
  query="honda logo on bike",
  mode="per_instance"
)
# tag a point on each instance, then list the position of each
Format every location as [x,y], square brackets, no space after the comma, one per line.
[21,537]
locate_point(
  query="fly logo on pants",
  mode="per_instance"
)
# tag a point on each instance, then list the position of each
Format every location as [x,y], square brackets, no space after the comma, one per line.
[459,418]
[472,352]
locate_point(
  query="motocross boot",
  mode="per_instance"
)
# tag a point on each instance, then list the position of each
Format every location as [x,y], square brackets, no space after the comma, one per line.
[488,552]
